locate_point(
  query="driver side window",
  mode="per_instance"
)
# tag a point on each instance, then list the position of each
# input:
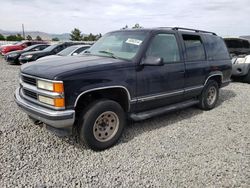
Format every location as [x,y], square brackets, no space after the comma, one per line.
[164,46]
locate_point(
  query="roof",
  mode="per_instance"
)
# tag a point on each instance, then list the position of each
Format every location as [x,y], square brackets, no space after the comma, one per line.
[171,28]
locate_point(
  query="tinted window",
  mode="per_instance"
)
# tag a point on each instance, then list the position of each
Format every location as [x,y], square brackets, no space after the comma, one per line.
[165,46]
[81,49]
[194,48]
[42,47]
[58,49]
[67,51]
[216,48]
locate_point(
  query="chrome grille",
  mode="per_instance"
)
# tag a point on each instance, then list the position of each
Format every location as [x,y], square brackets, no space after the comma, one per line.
[29,80]
[30,94]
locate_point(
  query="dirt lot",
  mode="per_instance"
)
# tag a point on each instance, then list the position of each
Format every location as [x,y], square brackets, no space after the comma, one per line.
[188,148]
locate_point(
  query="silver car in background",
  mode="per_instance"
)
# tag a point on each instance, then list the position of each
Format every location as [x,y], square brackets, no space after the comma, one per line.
[239,49]
[70,51]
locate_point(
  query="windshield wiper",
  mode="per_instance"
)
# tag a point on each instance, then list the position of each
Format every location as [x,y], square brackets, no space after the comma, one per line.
[109,53]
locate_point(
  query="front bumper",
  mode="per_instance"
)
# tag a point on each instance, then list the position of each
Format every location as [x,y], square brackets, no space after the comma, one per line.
[240,69]
[58,119]
[11,59]
[23,60]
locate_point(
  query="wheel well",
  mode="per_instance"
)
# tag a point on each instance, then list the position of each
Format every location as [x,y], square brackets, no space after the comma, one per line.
[217,78]
[119,95]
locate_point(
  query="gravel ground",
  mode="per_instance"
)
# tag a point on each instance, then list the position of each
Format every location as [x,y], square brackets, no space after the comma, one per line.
[188,148]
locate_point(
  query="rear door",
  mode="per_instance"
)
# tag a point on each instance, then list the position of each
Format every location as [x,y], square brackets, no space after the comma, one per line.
[161,85]
[195,62]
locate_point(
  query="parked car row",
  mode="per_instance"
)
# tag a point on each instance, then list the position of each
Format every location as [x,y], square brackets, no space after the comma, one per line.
[18,46]
[13,57]
[34,52]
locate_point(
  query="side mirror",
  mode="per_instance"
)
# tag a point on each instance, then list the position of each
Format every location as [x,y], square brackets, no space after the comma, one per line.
[74,54]
[152,61]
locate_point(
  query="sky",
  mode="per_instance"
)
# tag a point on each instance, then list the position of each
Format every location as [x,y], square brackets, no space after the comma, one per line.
[225,17]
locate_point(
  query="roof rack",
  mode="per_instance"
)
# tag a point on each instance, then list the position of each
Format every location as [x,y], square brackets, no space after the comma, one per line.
[195,30]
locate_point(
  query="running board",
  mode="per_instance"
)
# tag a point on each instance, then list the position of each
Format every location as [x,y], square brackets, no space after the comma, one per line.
[151,113]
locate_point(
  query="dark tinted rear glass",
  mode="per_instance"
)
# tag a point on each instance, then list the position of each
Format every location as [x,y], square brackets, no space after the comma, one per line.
[194,48]
[216,48]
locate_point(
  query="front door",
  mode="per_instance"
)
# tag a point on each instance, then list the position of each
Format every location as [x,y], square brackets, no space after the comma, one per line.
[161,85]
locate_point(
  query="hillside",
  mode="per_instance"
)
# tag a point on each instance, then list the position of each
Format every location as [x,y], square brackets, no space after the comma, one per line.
[33,34]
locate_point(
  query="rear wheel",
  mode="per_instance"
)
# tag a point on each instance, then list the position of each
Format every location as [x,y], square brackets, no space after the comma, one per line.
[209,95]
[101,124]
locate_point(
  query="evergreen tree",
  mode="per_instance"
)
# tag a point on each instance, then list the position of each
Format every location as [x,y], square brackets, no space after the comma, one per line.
[38,38]
[29,37]
[2,37]
[76,35]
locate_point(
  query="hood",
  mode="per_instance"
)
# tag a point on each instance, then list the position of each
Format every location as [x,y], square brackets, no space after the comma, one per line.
[48,57]
[38,53]
[56,68]
[15,52]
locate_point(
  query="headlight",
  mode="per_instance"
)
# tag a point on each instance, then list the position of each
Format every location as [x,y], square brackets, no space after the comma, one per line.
[56,102]
[240,60]
[12,55]
[50,86]
[28,56]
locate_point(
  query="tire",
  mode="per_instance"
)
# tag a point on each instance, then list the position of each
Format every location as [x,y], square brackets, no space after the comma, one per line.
[101,124]
[209,95]
[247,78]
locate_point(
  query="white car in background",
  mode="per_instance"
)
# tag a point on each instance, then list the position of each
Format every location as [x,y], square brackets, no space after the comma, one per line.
[239,49]
[70,51]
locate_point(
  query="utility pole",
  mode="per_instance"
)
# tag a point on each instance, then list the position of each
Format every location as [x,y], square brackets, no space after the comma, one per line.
[23,31]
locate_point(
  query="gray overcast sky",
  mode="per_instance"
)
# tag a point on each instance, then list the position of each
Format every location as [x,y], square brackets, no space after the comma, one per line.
[226,17]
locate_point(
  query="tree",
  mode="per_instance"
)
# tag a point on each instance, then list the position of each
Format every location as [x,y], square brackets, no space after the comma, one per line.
[38,38]
[55,39]
[29,37]
[11,38]
[98,36]
[92,37]
[136,26]
[76,35]
[17,37]
[2,37]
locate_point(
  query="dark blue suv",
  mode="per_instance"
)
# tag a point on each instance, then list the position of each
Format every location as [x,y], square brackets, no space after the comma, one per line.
[127,74]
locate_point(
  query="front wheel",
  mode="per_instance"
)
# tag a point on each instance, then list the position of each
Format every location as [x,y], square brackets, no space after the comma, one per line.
[101,124]
[209,95]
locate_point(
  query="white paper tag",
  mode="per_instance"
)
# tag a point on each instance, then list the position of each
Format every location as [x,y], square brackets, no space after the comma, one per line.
[134,41]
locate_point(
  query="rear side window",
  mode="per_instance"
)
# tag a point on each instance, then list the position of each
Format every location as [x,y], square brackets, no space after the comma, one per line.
[216,48]
[164,46]
[79,50]
[194,48]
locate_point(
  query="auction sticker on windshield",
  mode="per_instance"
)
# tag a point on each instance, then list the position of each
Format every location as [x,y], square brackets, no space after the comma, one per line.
[134,41]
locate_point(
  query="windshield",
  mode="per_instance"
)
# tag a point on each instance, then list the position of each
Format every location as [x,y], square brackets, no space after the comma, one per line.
[30,47]
[121,44]
[50,47]
[18,43]
[67,51]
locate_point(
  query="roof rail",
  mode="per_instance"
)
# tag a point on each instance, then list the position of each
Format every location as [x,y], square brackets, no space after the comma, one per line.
[195,30]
